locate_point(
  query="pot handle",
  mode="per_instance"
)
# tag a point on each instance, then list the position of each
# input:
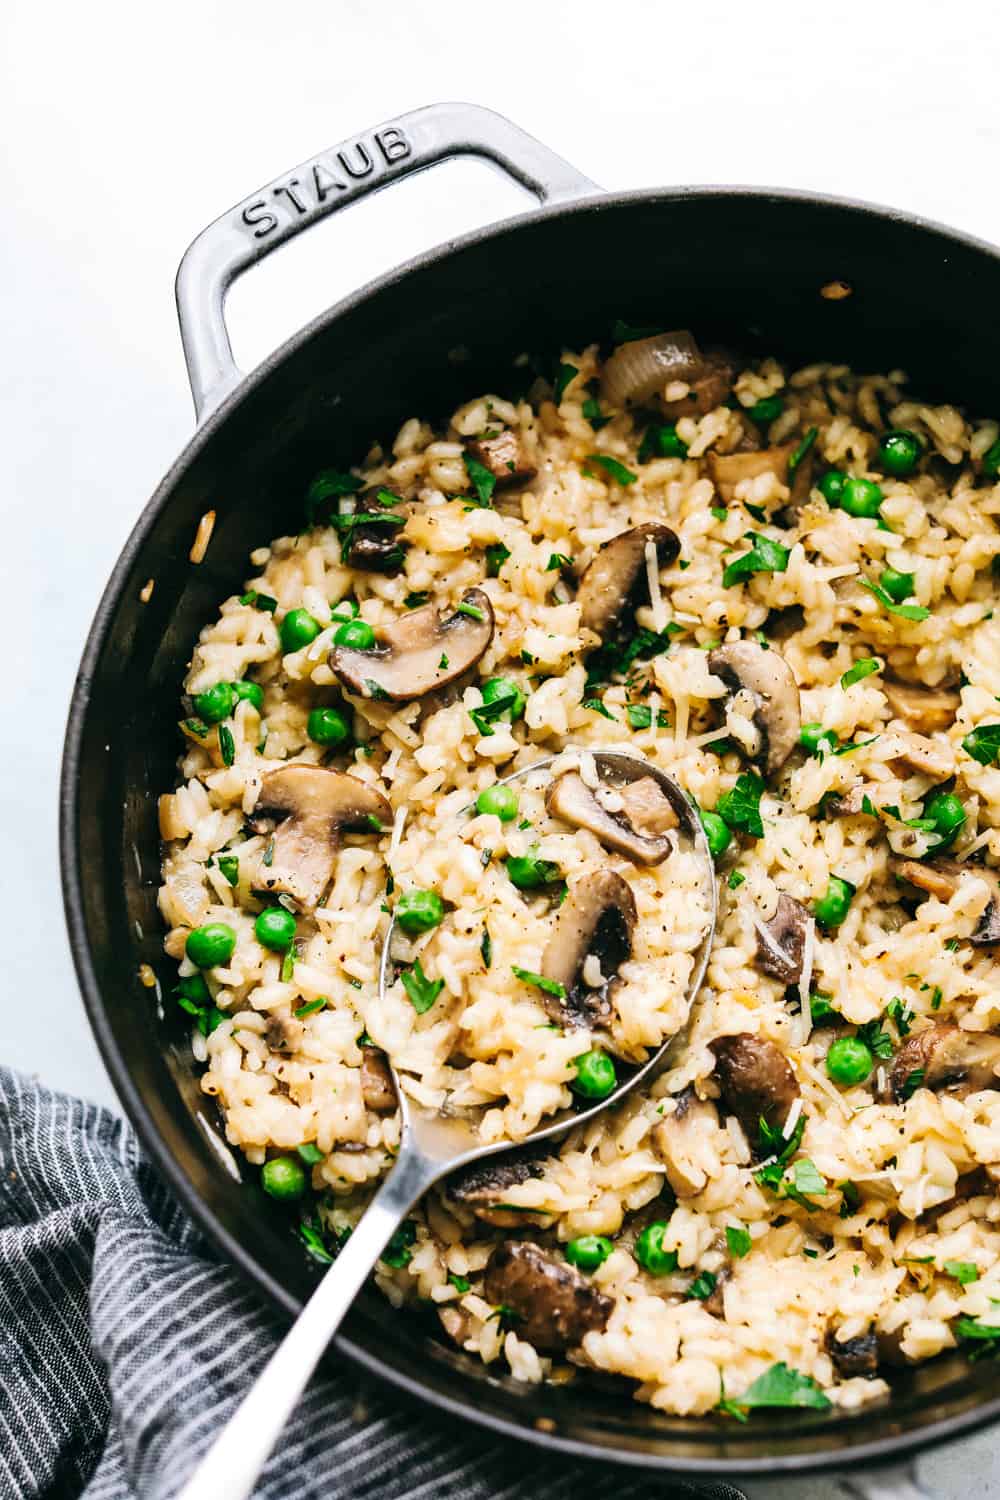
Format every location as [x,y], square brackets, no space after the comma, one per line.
[328,182]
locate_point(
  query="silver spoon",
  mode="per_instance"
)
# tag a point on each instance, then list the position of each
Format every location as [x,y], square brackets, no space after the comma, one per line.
[432,1144]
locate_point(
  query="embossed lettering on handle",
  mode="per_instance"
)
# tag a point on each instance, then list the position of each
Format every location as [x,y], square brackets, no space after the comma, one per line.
[325,183]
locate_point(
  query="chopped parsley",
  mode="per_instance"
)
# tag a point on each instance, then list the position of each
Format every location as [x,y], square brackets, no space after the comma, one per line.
[496,555]
[558,560]
[765,556]
[915,612]
[443,662]
[875,1038]
[983,744]
[472,610]
[326,489]
[738,1241]
[736,879]
[229,867]
[376,691]
[627,333]
[460,1283]
[416,599]
[260,601]
[702,1286]
[486,948]
[799,453]
[227,745]
[566,373]
[550,986]
[985,1337]
[615,658]
[399,1251]
[597,707]
[898,1012]
[310,1153]
[311,1009]
[778,1386]
[288,964]
[963,1271]
[592,412]
[483,482]
[719,512]
[195,727]
[611,466]
[740,807]
[850,1195]
[861,669]
[421,991]
[485,715]
[911,1083]
[311,1235]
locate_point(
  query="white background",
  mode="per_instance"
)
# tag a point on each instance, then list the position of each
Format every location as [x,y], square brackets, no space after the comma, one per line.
[125,128]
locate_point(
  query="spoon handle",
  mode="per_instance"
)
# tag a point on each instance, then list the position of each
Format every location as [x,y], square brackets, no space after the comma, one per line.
[230,1468]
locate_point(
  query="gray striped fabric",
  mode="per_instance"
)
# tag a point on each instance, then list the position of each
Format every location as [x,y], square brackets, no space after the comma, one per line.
[124,1344]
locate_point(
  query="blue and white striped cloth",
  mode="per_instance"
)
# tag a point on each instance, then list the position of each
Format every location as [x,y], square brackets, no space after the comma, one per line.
[125,1344]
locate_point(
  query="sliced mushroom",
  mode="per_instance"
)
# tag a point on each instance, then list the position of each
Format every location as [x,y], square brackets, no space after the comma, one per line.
[756,1081]
[943,1056]
[420,652]
[646,808]
[941,878]
[484,1186]
[617,575]
[743,435]
[375,547]
[597,918]
[684,1142]
[377,1087]
[781,942]
[554,1304]
[715,1302]
[312,806]
[283,1033]
[502,456]
[925,709]
[927,757]
[727,470]
[770,693]
[569,797]
[707,390]
[856,1356]
[848,804]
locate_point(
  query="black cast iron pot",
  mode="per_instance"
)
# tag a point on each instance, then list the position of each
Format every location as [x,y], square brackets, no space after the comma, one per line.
[740,263]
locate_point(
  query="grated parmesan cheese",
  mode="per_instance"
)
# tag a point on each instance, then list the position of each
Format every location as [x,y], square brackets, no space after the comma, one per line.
[655,592]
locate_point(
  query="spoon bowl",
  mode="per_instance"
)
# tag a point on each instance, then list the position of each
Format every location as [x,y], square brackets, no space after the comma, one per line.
[432,1144]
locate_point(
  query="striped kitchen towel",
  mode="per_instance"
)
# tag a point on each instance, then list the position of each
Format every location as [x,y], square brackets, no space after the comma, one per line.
[125,1344]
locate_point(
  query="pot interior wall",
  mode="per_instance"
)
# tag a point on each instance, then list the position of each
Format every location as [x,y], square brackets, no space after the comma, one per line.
[744,269]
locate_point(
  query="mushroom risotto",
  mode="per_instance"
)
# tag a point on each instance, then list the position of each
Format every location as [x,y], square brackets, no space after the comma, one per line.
[778,587]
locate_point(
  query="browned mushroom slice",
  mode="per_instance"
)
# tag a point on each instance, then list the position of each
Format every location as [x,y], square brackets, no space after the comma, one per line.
[941,878]
[484,1187]
[554,1305]
[857,1356]
[763,683]
[502,456]
[781,942]
[617,575]
[707,390]
[742,436]
[848,804]
[927,757]
[925,709]
[727,470]
[419,652]
[715,1302]
[646,808]
[377,1088]
[311,806]
[596,918]
[943,1056]
[756,1081]
[283,1033]
[374,546]
[683,1142]
[569,797]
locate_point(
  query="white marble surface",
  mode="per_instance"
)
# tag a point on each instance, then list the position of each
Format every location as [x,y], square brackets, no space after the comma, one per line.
[124,128]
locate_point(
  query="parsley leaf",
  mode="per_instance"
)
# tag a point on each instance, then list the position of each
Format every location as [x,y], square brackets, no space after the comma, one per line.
[851,1198]
[310,1153]
[566,373]
[311,1009]
[876,1038]
[702,1286]
[640,715]
[460,1283]
[861,669]
[911,1083]
[399,1251]
[550,986]
[782,1386]
[964,1271]
[611,466]
[227,745]
[596,706]
[421,991]
[898,1012]
[615,658]
[496,555]
[986,1334]
[906,611]
[738,1241]
[740,807]
[486,948]
[229,867]
[558,560]
[416,599]
[983,744]
[260,601]
[800,452]
[327,488]
[311,1235]
[483,482]
[765,556]
[485,715]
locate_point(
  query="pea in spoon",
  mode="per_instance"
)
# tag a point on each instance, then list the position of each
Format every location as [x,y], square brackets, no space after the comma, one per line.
[432,1144]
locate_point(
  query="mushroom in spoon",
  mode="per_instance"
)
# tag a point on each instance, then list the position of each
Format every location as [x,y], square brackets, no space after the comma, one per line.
[557,1303]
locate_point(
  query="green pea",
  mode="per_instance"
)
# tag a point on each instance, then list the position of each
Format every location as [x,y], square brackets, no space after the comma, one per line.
[898,586]
[500,801]
[419,911]
[900,452]
[831,487]
[357,634]
[861,497]
[327,726]
[814,739]
[529,873]
[216,703]
[589,1251]
[210,945]
[595,1075]
[649,1251]
[991,460]
[849,1060]
[275,929]
[832,907]
[283,1177]
[947,814]
[297,629]
[499,687]
[716,831]
[767,410]
[251,691]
